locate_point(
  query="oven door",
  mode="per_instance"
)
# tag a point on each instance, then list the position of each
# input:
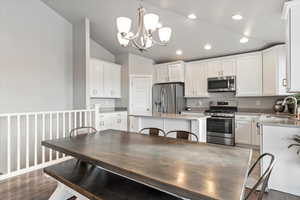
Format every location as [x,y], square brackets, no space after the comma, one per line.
[224,84]
[220,127]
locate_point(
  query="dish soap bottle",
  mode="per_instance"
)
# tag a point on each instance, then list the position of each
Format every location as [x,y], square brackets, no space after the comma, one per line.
[298,112]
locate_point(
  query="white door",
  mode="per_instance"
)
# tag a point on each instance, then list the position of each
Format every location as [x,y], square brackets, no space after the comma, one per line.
[162,73]
[249,75]
[189,80]
[228,67]
[141,95]
[112,80]
[269,72]
[214,69]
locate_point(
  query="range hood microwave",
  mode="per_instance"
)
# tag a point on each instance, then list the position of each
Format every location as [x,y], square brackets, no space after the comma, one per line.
[221,84]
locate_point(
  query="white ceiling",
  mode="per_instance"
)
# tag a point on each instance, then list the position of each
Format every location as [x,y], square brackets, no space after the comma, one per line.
[262,20]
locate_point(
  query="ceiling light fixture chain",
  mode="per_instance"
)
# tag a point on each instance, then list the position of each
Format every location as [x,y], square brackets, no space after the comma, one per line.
[143,38]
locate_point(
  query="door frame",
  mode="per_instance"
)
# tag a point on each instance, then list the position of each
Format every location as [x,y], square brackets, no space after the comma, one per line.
[133,76]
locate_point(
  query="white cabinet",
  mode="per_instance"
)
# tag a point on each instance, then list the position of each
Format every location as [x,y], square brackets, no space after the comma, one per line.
[170,72]
[292,16]
[246,131]
[274,71]
[96,78]
[104,79]
[196,79]
[112,80]
[249,74]
[114,120]
[222,67]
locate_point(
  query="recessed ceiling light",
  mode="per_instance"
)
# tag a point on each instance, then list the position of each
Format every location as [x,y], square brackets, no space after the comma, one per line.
[192,16]
[244,40]
[159,25]
[237,17]
[179,52]
[207,47]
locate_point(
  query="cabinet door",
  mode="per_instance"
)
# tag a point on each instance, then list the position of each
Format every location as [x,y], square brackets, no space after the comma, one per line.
[190,80]
[162,74]
[243,131]
[176,72]
[214,69]
[228,67]
[249,75]
[293,39]
[200,80]
[269,72]
[96,78]
[112,80]
[255,137]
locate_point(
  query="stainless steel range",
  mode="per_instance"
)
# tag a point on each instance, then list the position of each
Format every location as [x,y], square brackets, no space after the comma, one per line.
[221,124]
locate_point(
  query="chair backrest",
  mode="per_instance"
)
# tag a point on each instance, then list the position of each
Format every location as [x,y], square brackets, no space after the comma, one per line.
[183,134]
[82,130]
[264,178]
[153,131]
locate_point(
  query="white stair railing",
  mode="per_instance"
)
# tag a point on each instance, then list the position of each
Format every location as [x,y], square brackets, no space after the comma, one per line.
[21,135]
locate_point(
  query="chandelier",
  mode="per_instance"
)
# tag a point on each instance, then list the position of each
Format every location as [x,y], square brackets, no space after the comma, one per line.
[148,24]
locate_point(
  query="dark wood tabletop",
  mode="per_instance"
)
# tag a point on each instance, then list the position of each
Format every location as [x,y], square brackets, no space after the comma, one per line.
[187,169]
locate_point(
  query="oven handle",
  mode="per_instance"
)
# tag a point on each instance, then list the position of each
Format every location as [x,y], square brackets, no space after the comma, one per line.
[229,118]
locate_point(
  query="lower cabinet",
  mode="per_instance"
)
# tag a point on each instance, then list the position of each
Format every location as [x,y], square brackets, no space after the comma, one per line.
[115,121]
[246,131]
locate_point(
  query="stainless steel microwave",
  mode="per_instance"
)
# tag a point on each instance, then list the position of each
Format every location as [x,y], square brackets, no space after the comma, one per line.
[221,84]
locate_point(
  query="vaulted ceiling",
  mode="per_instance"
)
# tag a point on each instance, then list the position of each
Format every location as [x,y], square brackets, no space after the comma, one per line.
[262,22]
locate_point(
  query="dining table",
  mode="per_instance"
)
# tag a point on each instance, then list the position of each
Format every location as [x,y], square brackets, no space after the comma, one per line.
[185,169]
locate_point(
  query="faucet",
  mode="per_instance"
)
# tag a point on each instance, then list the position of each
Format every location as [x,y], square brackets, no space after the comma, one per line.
[295,102]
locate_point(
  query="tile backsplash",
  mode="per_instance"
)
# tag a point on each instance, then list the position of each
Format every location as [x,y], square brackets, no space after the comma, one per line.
[103,103]
[243,102]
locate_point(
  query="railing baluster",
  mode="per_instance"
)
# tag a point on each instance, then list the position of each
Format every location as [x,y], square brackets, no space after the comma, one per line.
[64,128]
[75,121]
[57,132]
[8,144]
[85,118]
[70,122]
[27,140]
[91,119]
[43,136]
[50,130]
[18,143]
[35,139]
[80,119]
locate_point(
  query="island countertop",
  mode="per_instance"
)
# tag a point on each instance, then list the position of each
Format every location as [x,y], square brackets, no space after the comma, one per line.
[187,169]
[184,116]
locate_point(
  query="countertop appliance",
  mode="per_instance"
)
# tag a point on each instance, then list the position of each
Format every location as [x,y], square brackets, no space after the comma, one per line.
[168,97]
[221,124]
[221,84]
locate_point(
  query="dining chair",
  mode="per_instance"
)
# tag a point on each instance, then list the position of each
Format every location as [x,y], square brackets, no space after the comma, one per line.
[261,185]
[183,134]
[82,130]
[153,131]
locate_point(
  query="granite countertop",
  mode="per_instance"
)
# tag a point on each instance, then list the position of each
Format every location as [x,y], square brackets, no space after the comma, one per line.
[112,109]
[174,116]
[280,121]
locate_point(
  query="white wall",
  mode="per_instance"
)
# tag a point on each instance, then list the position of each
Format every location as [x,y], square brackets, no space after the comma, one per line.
[35,59]
[97,51]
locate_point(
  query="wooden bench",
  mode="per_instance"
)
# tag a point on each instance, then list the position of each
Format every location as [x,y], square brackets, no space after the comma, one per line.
[90,182]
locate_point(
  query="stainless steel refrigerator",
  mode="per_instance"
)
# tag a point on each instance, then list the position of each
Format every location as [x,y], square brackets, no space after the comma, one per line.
[168,97]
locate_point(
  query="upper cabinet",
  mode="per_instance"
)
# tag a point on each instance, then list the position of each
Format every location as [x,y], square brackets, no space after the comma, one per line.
[170,72]
[274,71]
[292,16]
[104,79]
[196,79]
[249,75]
[221,67]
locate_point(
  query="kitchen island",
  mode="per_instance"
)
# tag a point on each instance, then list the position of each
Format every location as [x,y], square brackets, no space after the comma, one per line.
[195,123]
[276,136]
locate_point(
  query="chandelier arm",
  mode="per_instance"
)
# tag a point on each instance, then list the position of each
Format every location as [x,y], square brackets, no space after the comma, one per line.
[141,11]
[159,43]
[141,48]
